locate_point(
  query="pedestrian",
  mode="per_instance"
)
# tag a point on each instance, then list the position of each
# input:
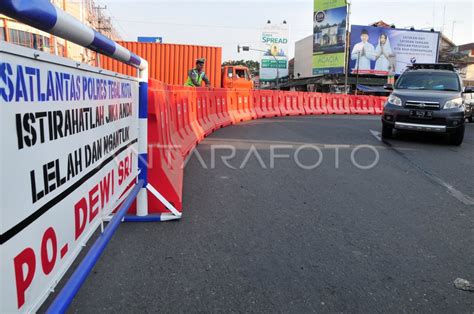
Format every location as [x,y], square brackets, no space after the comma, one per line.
[197,75]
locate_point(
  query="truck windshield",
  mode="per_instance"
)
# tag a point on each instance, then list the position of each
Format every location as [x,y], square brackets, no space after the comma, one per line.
[241,73]
[429,81]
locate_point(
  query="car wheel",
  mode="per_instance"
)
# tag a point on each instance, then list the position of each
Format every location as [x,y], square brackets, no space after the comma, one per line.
[469,119]
[457,137]
[387,131]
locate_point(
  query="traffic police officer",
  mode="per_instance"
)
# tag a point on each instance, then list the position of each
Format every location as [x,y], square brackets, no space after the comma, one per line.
[197,75]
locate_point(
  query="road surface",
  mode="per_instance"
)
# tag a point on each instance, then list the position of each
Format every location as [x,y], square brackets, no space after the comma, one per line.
[335,238]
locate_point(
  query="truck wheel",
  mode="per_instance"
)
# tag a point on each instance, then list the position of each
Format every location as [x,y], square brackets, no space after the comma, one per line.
[387,131]
[457,137]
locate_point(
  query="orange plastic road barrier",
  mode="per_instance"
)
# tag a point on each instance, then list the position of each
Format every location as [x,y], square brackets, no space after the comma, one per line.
[284,101]
[174,125]
[361,104]
[321,103]
[310,103]
[185,99]
[212,109]
[379,103]
[292,104]
[242,108]
[298,103]
[193,115]
[203,111]
[223,117]
[251,105]
[287,99]
[184,136]
[264,103]
[165,161]
[259,103]
[232,105]
[272,104]
[337,104]
[180,117]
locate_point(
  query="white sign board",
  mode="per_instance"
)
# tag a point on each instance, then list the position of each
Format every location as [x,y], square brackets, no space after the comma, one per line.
[275,44]
[69,137]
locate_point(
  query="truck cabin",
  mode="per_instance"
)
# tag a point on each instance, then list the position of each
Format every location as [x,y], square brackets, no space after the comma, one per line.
[236,77]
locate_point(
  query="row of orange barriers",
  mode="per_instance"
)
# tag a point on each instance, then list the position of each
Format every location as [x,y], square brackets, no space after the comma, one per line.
[180,117]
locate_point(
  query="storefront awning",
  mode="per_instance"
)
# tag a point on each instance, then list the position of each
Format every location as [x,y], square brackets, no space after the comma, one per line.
[371,89]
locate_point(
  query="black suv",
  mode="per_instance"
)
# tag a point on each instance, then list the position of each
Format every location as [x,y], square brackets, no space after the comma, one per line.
[429,98]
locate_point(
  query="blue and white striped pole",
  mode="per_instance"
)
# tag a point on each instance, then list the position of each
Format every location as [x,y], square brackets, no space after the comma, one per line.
[142,199]
[43,15]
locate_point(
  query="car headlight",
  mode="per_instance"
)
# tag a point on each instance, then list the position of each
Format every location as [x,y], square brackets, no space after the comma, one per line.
[394,100]
[453,103]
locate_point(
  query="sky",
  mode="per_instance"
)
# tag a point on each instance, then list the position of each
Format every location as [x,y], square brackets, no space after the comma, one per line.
[228,23]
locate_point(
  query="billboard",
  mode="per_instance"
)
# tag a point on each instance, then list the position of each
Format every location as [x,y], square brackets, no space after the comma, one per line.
[154,40]
[275,44]
[69,137]
[329,36]
[388,51]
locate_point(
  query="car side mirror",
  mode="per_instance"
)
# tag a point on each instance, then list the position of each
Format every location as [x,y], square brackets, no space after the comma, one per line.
[388,87]
[468,90]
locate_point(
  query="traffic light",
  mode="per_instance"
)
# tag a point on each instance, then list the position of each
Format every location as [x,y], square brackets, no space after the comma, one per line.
[244,48]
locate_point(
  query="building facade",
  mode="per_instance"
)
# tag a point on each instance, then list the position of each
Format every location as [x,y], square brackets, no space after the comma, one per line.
[85,11]
[461,56]
[303,58]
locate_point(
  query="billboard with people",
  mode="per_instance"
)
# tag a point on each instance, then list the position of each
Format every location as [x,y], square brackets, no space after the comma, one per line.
[329,36]
[388,51]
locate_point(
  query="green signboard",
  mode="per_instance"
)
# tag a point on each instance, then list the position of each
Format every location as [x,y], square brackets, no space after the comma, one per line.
[320,5]
[330,60]
[273,64]
[329,40]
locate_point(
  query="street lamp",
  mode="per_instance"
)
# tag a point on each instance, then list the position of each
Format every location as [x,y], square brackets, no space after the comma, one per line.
[247,48]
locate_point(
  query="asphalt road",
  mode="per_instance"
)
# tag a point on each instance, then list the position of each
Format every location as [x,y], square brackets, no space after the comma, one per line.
[336,238]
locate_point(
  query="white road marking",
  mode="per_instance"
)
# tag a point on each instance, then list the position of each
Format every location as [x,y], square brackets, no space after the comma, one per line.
[460,196]
[377,135]
[463,198]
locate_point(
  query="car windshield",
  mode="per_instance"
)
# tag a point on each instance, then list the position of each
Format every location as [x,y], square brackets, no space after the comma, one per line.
[428,81]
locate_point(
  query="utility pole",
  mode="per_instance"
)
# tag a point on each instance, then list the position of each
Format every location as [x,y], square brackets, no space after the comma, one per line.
[103,24]
[346,58]
[100,21]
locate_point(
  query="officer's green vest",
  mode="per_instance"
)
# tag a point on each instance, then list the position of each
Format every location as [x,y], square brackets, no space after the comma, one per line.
[189,82]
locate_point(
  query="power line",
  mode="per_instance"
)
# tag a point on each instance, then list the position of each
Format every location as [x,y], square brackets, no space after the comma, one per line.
[207,25]
[119,24]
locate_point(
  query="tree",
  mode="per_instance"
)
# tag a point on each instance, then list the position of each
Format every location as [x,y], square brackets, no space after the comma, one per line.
[251,64]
